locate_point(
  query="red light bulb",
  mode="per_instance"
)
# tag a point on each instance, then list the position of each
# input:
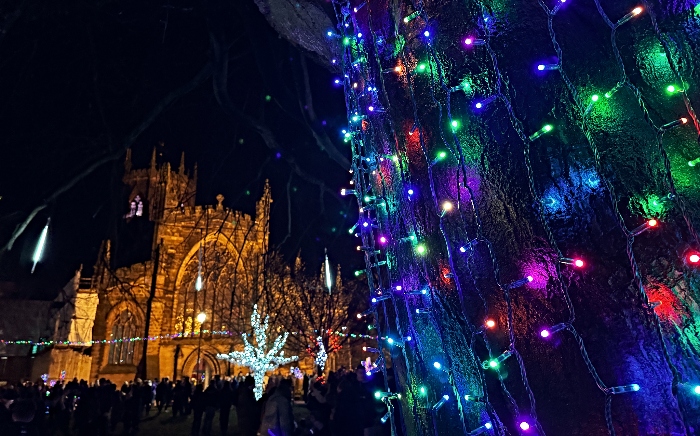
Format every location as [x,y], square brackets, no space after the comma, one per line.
[694,258]
[490,323]
[652,223]
[578,263]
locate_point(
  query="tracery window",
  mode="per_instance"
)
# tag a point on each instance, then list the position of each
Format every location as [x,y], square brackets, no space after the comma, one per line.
[126,326]
[224,292]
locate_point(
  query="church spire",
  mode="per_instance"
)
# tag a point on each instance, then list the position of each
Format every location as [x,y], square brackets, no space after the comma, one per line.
[182,164]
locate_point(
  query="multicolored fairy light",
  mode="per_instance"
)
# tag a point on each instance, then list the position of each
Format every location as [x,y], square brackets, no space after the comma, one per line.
[623,389]
[636,11]
[469,41]
[519,283]
[480,430]
[439,404]
[675,123]
[545,129]
[545,333]
[652,223]
[578,263]
[495,363]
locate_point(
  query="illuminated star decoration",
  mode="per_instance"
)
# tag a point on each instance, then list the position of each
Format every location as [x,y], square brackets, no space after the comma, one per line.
[259,359]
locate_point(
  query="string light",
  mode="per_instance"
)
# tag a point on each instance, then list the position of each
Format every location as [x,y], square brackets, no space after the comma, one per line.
[469,41]
[348,192]
[411,17]
[672,124]
[524,426]
[446,207]
[696,389]
[692,163]
[495,363]
[483,103]
[694,258]
[386,417]
[636,11]
[441,155]
[480,430]
[518,283]
[489,324]
[652,223]
[39,250]
[545,333]
[445,398]
[623,389]
[545,129]
[578,263]
[547,67]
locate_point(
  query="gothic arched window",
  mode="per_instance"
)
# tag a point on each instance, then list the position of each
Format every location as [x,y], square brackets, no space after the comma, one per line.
[224,291]
[126,326]
[135,207]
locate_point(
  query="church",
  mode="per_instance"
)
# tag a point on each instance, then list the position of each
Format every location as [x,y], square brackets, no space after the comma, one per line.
[192,291]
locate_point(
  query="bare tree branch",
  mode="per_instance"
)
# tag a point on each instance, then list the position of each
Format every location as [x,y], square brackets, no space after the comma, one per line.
[127,142]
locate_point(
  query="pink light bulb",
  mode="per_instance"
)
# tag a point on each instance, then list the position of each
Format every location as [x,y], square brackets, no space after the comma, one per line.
[524,426]
[578,263]
[469,41]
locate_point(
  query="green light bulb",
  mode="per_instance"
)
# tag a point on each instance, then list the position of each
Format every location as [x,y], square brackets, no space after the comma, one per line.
[421,67]
[547,128]
[671,88]
[455,124]
[493,364]
[346,41]
[377,395]
[420,249]
[442,155]
[595,97]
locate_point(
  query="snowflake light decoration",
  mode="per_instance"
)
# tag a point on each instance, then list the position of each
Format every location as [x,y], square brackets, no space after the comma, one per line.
[259,359]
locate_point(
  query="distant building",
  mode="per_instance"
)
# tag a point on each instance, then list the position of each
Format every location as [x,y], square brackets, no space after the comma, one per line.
[211,261]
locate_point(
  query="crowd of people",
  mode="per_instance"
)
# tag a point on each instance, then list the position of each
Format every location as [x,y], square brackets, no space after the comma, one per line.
[343,404]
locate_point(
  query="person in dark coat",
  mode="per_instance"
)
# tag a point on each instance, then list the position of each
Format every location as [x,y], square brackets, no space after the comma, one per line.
[211,405]
[345,420]
[197,404]
[160,394]
[226,400]
[147,396]
[247,408]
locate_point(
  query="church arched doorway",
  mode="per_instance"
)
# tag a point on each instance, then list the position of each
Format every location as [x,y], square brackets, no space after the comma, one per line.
[206,370]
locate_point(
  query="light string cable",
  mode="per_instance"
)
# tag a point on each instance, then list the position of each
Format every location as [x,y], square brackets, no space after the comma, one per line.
[583,112]
[409,215]
[674,68]
[372,262]
[625,81]
[449,248]
[423,262]
[519,129]
[457,149]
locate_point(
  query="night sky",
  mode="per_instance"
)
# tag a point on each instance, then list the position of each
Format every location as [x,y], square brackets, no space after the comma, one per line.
[77,78]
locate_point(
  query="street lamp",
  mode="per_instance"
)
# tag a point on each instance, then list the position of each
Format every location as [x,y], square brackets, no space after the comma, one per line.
[200,319]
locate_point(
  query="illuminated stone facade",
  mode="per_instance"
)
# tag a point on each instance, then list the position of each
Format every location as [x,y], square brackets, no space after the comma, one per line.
[225,248]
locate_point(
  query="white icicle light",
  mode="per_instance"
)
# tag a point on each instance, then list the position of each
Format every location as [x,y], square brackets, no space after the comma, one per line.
[260,359]
[39,250]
